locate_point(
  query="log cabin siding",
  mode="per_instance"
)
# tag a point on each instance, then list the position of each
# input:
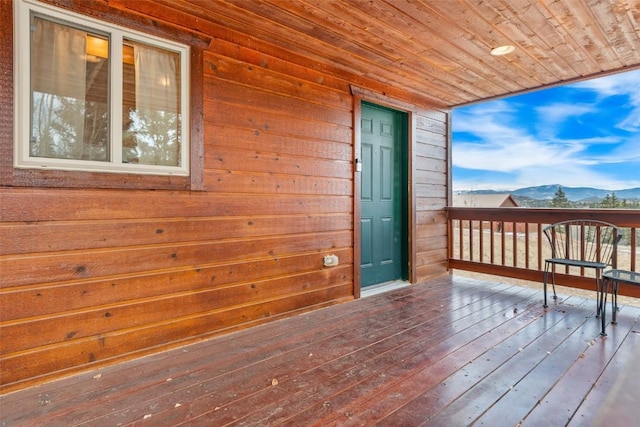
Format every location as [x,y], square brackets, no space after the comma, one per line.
[431,183]
[93,276]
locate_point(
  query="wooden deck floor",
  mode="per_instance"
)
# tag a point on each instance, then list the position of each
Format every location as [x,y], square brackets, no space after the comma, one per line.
[451,352]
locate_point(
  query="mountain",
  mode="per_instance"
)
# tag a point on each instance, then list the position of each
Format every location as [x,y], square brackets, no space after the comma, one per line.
[575,194]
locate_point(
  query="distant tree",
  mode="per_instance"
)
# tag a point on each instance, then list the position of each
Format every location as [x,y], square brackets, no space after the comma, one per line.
[560,199]
[611,201]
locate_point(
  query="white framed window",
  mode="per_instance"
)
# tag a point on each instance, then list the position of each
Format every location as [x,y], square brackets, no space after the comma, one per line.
[93,96]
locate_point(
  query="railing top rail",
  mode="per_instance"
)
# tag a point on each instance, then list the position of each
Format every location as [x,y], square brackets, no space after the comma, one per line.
[617,217]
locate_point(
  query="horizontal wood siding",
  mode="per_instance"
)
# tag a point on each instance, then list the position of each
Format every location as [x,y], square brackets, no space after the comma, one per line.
[431,181]
[94,276]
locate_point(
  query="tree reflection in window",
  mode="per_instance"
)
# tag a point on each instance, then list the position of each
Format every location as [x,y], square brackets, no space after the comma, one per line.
[151,106]
[69,111]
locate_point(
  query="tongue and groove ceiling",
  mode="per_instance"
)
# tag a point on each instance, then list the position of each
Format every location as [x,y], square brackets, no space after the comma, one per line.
[438,50]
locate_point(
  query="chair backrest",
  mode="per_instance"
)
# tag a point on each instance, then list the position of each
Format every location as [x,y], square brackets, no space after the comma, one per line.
[584,240]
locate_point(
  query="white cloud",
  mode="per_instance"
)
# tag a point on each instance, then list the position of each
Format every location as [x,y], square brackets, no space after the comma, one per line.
[550,117]
[621,84]
[615,84]
[505,147]
[494,140]
[531,162]
[513,154]
[631,123]
[627,151]
[559,112]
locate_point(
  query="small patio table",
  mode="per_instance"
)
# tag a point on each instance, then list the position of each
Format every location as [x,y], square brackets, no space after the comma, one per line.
[614,278]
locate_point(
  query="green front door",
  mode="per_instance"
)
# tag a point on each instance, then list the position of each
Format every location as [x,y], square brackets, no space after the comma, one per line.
[383,195]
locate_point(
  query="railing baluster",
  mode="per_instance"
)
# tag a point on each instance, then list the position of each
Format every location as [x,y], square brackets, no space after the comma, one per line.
[502,241]
[633,245]
[461,239]
[481,241]
[492,239]
[568,239]
[526,245]
[583,245]
[514,233]
[540,257]
[470,240]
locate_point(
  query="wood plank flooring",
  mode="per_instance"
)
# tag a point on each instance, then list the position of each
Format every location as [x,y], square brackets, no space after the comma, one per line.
[450,352]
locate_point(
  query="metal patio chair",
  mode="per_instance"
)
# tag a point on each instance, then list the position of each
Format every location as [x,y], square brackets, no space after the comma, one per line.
[583,244]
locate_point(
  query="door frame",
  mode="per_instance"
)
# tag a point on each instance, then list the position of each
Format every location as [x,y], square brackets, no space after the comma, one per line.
[360,95]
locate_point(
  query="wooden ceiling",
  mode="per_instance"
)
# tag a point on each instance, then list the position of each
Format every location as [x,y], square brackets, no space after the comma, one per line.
[438,50]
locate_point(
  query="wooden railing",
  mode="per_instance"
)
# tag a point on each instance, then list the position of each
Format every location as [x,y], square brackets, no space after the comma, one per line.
[509,242]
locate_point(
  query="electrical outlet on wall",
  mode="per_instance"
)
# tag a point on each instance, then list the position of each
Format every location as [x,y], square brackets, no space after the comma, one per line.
[330,260]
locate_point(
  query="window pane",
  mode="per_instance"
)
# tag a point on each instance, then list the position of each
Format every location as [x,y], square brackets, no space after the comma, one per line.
[69,92]
[151,105]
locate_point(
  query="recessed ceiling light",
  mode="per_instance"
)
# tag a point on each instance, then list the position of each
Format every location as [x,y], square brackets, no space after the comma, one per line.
[502,50]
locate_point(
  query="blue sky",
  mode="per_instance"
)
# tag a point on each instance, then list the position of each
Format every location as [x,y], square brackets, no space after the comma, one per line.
[582,135]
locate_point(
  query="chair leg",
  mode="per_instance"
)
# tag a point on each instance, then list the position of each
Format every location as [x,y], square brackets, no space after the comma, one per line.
[600,296]
[544,281]
[549,266]
[602,305]
[614,303]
